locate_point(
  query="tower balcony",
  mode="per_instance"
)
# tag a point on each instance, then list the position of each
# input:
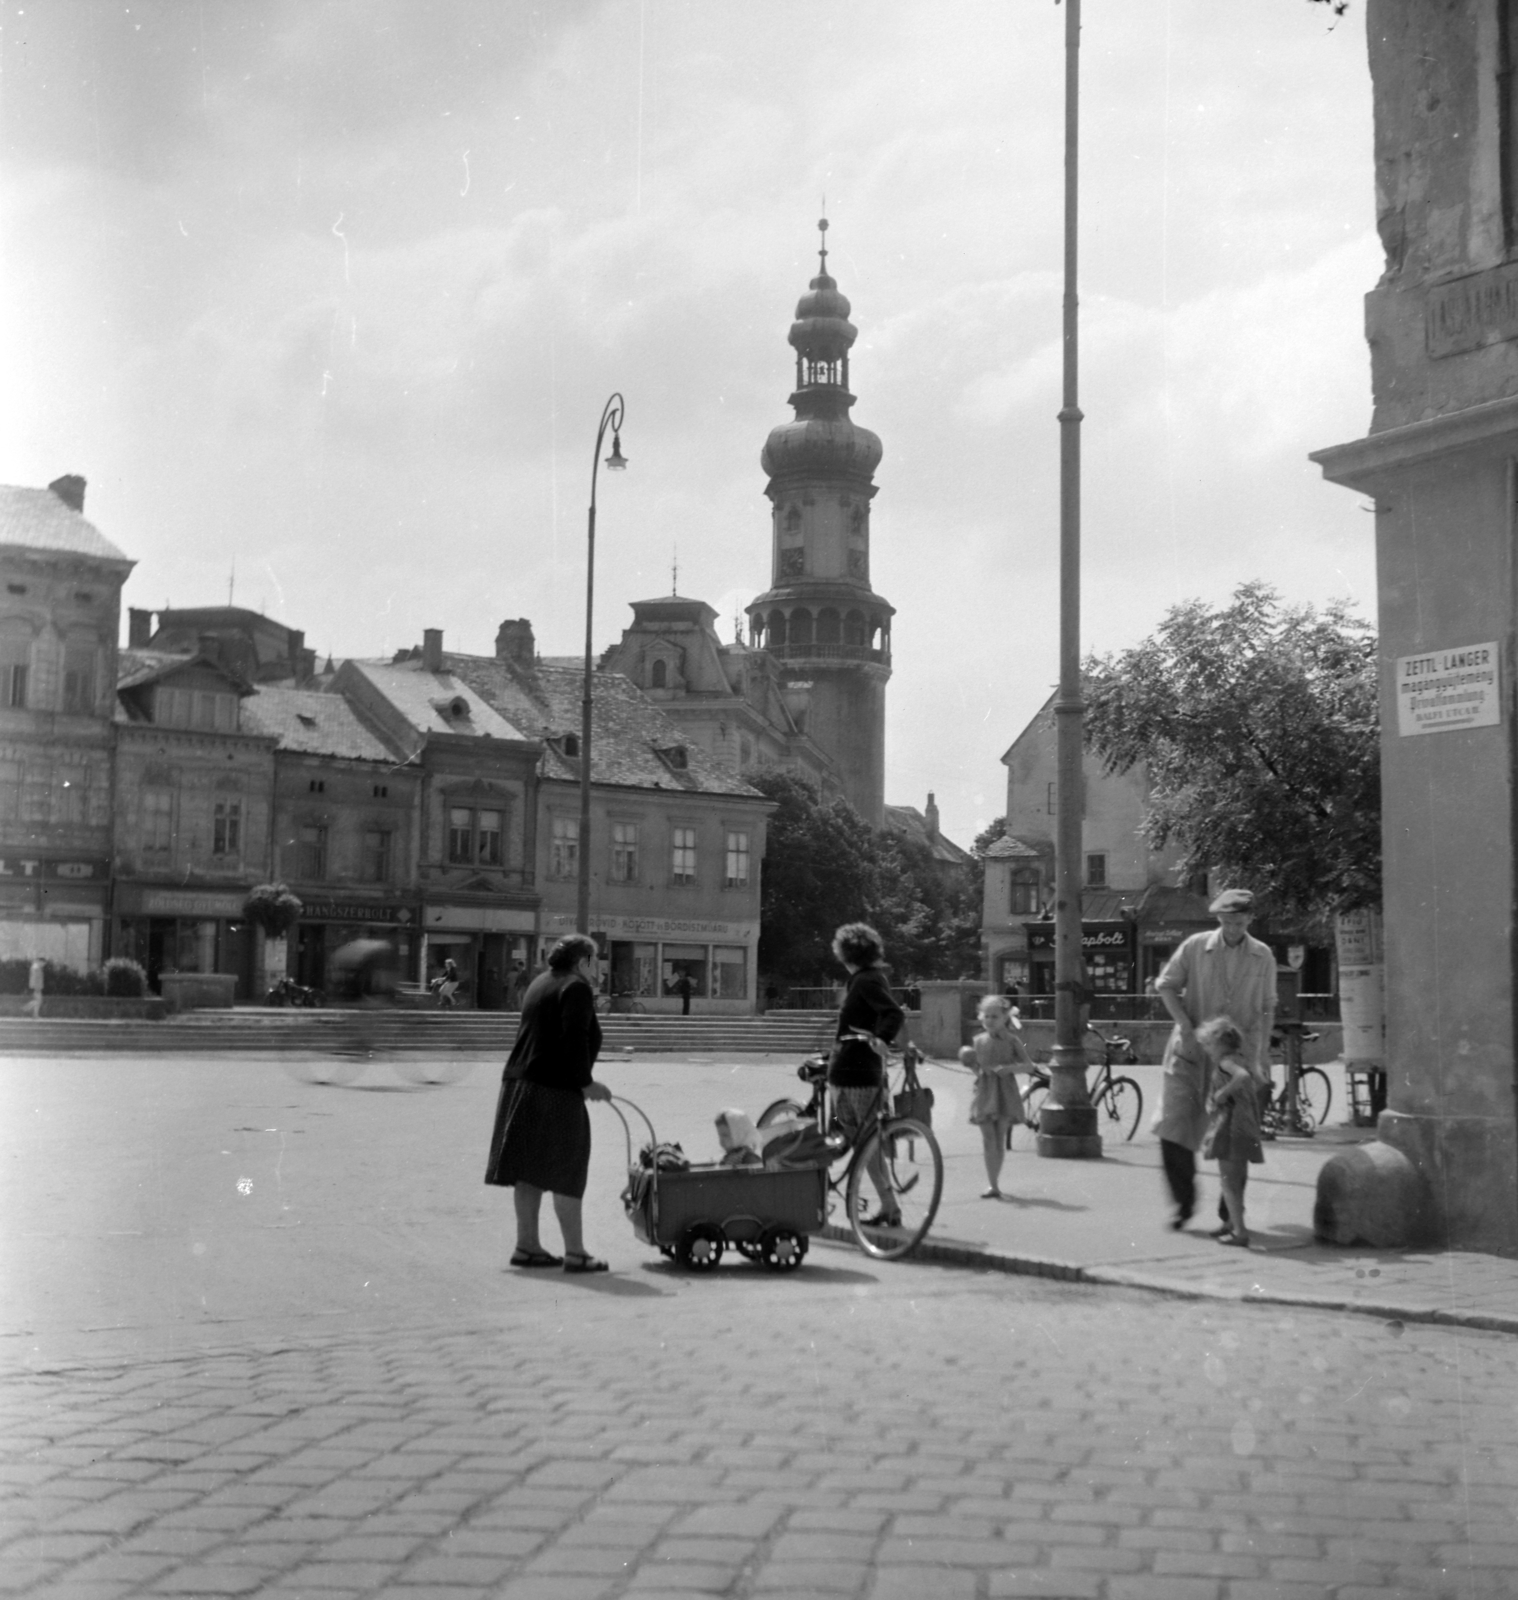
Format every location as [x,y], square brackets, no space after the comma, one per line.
[829,652]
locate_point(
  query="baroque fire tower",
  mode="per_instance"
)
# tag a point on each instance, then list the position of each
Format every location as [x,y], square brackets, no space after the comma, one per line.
[830,632]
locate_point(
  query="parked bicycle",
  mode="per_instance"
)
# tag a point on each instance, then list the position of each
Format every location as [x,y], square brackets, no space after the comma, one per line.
[903,1148]
[1314,1093]
[1119,1098]
[621,1004]
[287,992]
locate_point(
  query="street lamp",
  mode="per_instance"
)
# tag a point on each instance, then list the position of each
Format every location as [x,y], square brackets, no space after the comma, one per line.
[611,417]
[1067,1123]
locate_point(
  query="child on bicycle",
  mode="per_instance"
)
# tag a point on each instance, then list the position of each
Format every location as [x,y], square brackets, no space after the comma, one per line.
[995,1057]
[1233,1134]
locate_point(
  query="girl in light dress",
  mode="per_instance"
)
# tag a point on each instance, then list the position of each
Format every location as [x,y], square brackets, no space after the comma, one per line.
[996,1057]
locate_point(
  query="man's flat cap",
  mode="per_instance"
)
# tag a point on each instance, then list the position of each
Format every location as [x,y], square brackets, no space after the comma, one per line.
[1232,900]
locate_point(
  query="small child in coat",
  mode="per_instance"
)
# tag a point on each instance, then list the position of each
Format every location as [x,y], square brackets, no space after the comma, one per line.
[1233,1134]
[996,1057]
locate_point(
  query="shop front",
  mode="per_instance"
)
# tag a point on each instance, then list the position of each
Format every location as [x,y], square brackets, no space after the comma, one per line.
[491,945]
[1107,951]
[649,963]
[54,907]
[325,926]
[168,929]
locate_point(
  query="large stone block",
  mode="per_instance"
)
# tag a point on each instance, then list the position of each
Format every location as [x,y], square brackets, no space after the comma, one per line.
[1369,1194]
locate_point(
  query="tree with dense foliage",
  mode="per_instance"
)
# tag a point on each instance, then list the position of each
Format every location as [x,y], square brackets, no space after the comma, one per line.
[824,865]
[988,835]
[1258,724]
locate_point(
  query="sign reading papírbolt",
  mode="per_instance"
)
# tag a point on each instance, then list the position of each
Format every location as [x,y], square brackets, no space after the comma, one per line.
[1448,689]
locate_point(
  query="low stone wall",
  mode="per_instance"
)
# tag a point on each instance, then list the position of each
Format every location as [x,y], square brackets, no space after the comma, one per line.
[98,1008]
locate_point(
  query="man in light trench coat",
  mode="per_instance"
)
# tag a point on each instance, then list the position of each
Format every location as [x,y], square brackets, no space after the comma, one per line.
[1225,973]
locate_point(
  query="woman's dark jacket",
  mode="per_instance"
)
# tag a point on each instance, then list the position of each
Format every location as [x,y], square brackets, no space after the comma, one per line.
[869,1007]
[559,1037]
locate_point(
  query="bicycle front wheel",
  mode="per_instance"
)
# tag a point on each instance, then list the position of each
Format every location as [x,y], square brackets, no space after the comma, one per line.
[895,1184]
[1314,1095]
[779,1111]
[1033,1102]
[1123,1101]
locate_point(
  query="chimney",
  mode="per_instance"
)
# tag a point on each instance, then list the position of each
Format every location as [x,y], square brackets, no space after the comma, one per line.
[295,645]
[139,627]
[70,490]
[432,649]
[514,642]
[930,816]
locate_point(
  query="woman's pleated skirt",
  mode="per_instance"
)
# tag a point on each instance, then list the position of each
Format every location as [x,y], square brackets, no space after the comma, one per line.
[541,1137]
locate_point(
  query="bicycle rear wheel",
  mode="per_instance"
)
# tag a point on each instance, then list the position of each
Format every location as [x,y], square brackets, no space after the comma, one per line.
[1123,1101]
[907,1158]
[1315,1094]
[1033,1102]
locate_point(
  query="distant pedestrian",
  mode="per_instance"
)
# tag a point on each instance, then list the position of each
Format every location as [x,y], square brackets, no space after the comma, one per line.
[1222,973]
[541,1139]
[997,1105]
[446,984]
[1233,1134]
[685,988]
[35,978]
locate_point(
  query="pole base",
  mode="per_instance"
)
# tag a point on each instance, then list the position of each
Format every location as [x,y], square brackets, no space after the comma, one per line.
[1070,1147]
[1068,1133]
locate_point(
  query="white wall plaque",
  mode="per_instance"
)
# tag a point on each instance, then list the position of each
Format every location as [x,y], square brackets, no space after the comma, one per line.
[1442,690]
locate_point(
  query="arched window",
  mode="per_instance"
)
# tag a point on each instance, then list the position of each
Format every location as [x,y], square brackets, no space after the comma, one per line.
[800,626]
[854,631]
[829,629]
[658,678]
[1024,898]
[777,628]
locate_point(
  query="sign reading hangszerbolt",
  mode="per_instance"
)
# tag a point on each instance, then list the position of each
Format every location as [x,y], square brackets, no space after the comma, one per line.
[1442,690]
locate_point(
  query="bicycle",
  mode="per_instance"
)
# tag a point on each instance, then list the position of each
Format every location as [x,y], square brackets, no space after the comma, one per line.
[1119,1098]
[1315,1094]
[622,1004]
[903,1149]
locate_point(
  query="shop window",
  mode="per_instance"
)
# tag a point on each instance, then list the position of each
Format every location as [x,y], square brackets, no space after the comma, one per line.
[735,874]
[731,970]
[624,852]
[374,864]
[1096,869]
[564,848]
[311,854]
[1024,893]
[682,855]
[632,968]
[226,829]
[157,824]
[689,959]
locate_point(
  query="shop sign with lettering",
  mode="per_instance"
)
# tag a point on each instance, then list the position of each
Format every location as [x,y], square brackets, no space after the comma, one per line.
[353,911]
[656,927]
[76,871]
[1095,936]
[1443,690]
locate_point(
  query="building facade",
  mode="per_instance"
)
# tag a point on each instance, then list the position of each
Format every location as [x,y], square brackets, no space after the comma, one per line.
[1442,326]
[60,611]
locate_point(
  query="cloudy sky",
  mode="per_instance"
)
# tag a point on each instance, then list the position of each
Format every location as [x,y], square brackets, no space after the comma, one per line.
[332,294]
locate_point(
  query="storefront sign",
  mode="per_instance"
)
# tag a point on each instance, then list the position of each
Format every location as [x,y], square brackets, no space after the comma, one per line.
[1165,935]
[353,911]
[1478,309]
[40,867]
[1447,689]
[482,919]
[1111,938]
[655,927]
[139,900]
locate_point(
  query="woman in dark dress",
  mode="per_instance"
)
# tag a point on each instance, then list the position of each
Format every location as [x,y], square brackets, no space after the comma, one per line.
[541,1139]
[856,1073]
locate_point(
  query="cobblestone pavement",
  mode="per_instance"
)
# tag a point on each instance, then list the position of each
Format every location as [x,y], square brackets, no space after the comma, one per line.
[256,1338]
[857,1429]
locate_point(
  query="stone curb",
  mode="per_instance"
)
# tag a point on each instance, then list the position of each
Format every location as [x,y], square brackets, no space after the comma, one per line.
[1115,1277]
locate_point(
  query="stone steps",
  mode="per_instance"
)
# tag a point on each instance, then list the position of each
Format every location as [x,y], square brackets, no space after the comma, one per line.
[796,1033]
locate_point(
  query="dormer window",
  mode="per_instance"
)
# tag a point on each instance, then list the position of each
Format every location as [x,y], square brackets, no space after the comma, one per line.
[305,720]
[572,745]
[206,710]
[674,756]
[658,678]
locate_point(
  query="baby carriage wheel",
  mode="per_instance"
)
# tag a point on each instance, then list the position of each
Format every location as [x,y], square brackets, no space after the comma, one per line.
[749,1249]
[701,1247]
[782,1250]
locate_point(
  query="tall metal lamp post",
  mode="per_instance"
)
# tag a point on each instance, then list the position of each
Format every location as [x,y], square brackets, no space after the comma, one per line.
[611,417]
[1067,1124]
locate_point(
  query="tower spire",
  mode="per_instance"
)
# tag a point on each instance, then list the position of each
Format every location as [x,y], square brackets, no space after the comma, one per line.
[822,242]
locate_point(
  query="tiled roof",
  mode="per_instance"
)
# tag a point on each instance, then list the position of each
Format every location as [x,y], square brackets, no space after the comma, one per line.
[910,821]
[313,723]
[1007,848]
[1167,902]
[36,519]
[627,729]
[137,666]
[423,698]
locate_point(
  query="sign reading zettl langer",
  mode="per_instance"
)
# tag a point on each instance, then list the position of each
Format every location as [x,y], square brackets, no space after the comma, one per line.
[1448,689]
